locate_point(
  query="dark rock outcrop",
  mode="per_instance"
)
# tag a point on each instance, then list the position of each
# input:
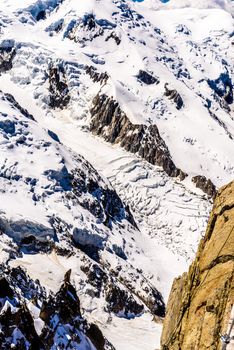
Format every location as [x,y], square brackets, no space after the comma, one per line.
[59,314]
[200,302]
[103,203]
[41,15]
[96,277]
[20,322]
[58,88]
[122,295]
[7,54]
[181,28]
[114,36]
[219,121]
[110,122]
[89,21]
[206,185]
[5,289]
[223,87]
[55,27]
[121,302]
[17,106]
[15,317]
[96,76]
[85,29]
[65,304]
[174,96]
[96,336]
[32,244]
[147,78]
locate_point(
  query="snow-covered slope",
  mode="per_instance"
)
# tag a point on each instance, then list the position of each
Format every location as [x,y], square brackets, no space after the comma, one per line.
[198,4]
[188,49]
[116,124]
[57,213]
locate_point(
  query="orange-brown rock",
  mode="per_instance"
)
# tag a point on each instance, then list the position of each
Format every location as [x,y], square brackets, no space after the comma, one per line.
[201,300]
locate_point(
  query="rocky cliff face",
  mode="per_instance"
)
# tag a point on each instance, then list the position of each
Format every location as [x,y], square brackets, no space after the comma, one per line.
[200,302]
[7,54]
[30,319]
[110,122]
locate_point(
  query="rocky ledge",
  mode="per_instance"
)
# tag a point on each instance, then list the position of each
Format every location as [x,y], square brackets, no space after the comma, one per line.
[7,54]
[174,96]
[110,122]
[206,185]
[200,302]
[58,88]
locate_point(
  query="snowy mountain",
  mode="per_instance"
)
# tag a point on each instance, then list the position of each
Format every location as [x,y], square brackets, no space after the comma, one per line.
[116,129]
[196,4]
